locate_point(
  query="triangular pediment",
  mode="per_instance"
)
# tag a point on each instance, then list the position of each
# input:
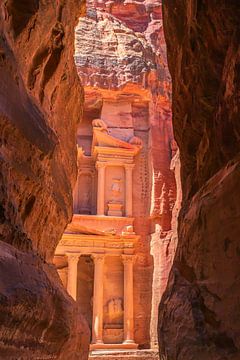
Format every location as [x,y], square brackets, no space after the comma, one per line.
[75,228]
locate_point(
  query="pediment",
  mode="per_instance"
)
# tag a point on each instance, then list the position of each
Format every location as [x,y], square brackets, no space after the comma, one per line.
[75,228]
[103,139]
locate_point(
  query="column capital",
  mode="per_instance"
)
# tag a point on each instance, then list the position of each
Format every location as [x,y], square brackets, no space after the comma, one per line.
[127,259]
[98,257]
[100,164]
[129,166]
[74,257]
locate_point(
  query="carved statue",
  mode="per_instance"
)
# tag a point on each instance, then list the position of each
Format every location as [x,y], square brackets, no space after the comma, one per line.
[116,188]
[86,198]
[100,125]
[85,183]
[114,311]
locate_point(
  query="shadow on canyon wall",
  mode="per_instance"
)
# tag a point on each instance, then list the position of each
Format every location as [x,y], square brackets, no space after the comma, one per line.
[199,313]
[41,103]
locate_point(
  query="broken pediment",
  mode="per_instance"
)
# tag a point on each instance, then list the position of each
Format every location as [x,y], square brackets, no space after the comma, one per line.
[102,138]
[80,229]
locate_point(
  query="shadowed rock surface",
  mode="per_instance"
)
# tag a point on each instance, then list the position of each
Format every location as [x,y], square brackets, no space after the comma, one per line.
[40,105]
[199,313]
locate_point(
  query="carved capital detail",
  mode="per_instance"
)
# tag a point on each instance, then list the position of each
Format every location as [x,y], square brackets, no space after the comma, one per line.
[98,257]
[100,164]
[73,257]
[129,167]
[127,259]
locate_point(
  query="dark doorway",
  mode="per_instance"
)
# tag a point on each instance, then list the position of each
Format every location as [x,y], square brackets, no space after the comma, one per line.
[85,287]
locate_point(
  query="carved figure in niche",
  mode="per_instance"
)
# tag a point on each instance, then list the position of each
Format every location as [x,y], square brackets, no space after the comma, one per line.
[116,188]
[85,199]
[85,184]
[114,313]
[100,125]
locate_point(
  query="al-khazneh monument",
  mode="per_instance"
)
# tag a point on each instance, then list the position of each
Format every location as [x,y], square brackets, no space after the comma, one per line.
[115,256]
[95,256]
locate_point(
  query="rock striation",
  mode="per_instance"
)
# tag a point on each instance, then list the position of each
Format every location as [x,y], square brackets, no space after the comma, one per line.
[199,312]
[41,103]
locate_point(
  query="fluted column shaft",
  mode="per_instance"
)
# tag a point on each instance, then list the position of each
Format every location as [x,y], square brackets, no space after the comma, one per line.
[97,325]
[72,274]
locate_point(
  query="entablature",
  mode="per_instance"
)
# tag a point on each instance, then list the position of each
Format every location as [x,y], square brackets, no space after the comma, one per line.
[91,244]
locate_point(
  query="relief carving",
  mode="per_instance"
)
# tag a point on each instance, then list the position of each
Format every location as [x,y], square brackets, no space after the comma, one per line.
[115,204]
[85,193]
[116,188]
[114,313]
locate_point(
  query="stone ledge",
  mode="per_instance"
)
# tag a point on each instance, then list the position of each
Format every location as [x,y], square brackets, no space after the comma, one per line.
[124,355]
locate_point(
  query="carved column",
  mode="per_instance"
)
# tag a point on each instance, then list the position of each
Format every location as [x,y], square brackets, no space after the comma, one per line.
[129,188]
[101,187]
[128,298]
[72,274]
[97,325]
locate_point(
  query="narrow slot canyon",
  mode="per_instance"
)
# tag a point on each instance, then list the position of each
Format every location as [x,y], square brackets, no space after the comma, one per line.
[125,191]
[119,171]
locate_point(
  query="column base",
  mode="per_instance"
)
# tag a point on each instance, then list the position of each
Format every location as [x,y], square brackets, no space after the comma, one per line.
[103,346]
[129,342]
[98,342]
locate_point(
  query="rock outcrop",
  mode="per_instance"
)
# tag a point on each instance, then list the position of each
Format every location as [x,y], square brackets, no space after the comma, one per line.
[199,313]
[40,105]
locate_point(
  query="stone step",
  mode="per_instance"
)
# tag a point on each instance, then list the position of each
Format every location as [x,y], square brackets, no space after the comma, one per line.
[124,355]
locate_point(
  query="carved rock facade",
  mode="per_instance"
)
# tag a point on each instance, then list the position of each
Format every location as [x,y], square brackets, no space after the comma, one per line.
[121,60]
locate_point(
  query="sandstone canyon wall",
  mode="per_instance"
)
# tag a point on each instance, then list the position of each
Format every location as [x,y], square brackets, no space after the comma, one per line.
[40,105]
[199,313]
[121,60]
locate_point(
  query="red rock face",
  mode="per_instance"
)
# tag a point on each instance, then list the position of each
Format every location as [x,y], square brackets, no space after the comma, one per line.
[40,106]
[121,60]
[199,313]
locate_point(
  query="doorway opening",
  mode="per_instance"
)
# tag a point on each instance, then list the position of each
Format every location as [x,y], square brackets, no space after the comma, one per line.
[85,279]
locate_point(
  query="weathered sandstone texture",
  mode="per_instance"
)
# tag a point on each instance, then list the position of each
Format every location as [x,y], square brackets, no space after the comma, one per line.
[40,106]
[121,60]
[199,314]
